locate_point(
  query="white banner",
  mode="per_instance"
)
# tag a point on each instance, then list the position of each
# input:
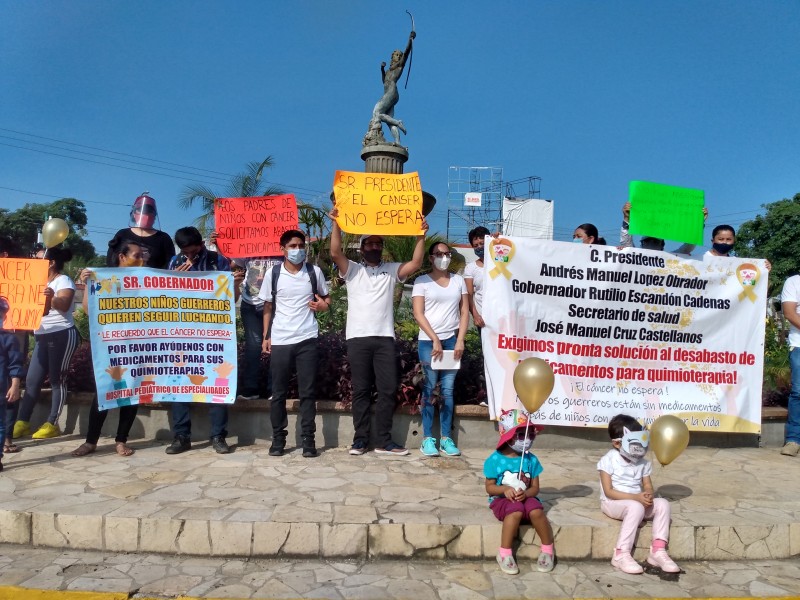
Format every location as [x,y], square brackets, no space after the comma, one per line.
[626,331]
[528,218]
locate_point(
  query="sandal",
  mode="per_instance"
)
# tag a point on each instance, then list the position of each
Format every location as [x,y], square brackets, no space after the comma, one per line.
[84,449]
[11,448]
[124,450]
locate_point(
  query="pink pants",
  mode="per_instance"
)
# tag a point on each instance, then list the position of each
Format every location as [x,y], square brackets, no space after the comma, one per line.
[632,513]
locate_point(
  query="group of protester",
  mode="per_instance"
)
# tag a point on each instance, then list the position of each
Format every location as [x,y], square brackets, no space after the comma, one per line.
[280,297]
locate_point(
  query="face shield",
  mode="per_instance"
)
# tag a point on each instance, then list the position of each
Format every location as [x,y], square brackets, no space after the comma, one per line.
[144,213]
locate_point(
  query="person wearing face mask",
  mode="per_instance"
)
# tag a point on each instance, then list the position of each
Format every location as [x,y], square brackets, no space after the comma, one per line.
[512,482]
[56,341]
[195,256]
[157,246]
[293,292]
[473,275]
[626,494]
[370,333]
[441,308]
[723,238]
[587,234]
[127,254]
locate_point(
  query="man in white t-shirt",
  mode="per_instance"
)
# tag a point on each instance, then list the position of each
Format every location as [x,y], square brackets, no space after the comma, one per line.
[790,302]
[293,292]
[370,333]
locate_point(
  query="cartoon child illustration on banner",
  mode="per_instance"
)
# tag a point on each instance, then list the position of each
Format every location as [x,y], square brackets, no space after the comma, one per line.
[501,251]
[748,274]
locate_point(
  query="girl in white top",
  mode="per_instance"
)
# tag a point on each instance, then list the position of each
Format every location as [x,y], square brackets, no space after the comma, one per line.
[626,494]
[441,308]
[56,340]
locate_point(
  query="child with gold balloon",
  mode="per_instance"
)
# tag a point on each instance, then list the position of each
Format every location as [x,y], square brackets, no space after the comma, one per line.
[626,494]
[512,482]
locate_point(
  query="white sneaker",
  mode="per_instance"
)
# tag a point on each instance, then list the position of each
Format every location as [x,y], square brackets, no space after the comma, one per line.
[507,564]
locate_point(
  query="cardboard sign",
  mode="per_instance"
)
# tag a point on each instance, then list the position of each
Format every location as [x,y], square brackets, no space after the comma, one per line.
[162,336]
[379,203]
[253,226]
[667,212]
[22,281]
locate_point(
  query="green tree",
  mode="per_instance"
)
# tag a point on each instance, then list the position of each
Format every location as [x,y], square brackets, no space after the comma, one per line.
[773,236]
[22,225]
[249,183]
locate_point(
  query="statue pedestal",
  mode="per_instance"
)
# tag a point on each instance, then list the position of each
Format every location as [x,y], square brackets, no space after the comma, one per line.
[384,158]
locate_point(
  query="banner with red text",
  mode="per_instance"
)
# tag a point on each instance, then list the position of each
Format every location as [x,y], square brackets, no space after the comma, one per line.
[162,336]
[626,331]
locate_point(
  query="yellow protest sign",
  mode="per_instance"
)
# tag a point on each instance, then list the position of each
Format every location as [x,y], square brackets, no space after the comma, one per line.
[379,203]
[22,281]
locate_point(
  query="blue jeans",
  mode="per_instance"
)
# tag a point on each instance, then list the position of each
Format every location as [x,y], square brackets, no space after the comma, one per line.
[446,378]
[793,420]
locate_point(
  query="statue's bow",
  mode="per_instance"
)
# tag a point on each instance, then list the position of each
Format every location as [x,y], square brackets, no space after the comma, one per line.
[410,50]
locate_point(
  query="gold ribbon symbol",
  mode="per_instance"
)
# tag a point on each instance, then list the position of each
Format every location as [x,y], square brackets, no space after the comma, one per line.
[749,284]
[501,266]
[223,286]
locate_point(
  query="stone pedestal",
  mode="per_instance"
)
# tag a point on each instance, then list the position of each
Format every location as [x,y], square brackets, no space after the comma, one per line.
[384,158]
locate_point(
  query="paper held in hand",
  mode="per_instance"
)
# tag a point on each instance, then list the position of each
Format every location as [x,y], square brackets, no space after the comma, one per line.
[447,362]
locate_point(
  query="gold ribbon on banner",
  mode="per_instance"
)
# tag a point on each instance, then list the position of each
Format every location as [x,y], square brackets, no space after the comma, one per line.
[501,251]
[748,274]
[223,287]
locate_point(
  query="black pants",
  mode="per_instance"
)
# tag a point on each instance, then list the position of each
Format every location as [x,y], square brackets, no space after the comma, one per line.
[127,415]
[303,358]
[373,359]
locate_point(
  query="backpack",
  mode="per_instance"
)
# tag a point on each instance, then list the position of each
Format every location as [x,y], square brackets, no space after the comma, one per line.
[276,272]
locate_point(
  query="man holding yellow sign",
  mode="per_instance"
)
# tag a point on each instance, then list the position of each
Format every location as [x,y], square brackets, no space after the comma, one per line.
[370,322]
[379,203]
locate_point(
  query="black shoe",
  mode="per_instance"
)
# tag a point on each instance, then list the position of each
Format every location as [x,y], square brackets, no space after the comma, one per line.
[1,467]
[276,449]
[178,445]
[309,448]
[220,445]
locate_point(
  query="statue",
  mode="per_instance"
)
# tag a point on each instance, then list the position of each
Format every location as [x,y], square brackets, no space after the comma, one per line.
[384,108]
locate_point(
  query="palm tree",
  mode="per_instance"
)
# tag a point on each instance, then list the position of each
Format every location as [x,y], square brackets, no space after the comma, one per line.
[243,185]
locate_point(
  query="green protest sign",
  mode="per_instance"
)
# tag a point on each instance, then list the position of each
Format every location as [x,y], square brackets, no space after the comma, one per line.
[667,211]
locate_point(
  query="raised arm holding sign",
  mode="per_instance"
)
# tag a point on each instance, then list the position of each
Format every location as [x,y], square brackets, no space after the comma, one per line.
[379,203]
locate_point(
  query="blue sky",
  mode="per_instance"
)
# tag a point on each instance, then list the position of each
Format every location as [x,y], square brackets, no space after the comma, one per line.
[585,95]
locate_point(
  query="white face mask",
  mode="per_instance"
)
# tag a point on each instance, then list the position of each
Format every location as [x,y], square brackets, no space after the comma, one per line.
[521,445]
[633,444]
[442,262]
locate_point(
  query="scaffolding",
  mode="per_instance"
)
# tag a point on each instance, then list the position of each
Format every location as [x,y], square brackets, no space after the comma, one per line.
[488,181]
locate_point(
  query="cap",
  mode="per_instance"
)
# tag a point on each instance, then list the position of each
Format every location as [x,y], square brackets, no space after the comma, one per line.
[365,237]
[510,421]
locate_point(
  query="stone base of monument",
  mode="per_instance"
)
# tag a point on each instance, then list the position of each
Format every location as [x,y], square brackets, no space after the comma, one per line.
[384,158]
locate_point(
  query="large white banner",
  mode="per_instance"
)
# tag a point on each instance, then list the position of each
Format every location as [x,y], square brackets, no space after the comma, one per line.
[626,331]
[528,217]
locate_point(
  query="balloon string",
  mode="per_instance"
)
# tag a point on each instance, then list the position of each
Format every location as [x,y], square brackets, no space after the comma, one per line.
[522,458]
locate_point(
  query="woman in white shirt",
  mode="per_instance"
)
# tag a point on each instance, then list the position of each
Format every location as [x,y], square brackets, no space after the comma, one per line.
[56,340]
[441,308]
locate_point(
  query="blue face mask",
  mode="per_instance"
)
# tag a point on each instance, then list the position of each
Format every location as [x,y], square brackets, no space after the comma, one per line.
[479,252]
[296,256]
[577,240]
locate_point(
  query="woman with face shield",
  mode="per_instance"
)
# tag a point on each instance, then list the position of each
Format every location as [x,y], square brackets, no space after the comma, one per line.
[157,247]
[441,308]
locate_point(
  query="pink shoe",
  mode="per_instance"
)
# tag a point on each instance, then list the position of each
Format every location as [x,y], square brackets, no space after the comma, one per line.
[661,559]
[625,563]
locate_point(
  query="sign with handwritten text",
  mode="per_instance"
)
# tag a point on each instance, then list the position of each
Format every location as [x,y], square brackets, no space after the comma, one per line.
[378,203]
[22,281]
[626,331]
[667,212]
[162,336]
[253,226]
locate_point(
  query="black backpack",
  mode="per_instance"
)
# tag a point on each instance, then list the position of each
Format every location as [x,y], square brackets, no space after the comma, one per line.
[276,272]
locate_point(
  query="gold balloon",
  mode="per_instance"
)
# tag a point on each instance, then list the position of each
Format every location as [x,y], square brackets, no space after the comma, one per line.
[669,436]
[533,380]
[54,232]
